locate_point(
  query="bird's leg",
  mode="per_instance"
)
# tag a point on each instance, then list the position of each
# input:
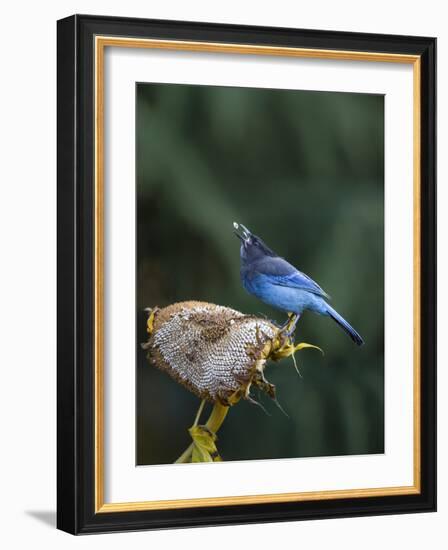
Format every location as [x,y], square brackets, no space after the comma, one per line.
[290,326]
[286,324]
[295,320]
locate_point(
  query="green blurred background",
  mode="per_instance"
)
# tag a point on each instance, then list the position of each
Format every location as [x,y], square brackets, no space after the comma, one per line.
[303,170]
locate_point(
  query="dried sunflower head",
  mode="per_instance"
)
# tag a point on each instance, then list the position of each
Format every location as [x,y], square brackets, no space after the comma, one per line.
[216,352]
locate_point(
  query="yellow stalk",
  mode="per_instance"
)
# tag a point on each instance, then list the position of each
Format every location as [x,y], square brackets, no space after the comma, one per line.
[203,447]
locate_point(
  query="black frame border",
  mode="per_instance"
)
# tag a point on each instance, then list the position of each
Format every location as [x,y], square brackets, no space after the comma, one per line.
[76,262]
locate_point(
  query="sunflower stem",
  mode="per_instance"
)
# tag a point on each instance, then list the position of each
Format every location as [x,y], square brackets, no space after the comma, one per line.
[214,422]
[198,414]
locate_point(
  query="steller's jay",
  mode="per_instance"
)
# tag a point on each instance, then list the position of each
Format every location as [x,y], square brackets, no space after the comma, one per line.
[278,283]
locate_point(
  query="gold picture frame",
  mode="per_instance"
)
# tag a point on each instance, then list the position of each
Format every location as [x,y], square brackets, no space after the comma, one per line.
[92,31]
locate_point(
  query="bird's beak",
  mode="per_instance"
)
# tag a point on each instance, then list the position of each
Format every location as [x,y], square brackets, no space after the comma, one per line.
[242,232]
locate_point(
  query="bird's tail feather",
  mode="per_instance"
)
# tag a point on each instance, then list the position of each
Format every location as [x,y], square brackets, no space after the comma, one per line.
[346,326]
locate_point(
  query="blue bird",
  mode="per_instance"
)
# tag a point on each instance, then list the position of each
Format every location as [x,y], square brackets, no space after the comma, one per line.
[279,284]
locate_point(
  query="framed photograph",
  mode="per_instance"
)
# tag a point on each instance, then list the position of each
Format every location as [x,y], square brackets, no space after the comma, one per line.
[246,274]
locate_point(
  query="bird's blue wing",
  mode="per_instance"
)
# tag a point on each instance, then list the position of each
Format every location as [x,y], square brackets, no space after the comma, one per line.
[282,273]
[298,280]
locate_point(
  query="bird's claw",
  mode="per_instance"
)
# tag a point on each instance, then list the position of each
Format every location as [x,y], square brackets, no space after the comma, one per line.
[289,327]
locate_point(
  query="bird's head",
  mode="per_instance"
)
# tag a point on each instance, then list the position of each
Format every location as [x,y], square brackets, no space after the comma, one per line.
[252,247]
